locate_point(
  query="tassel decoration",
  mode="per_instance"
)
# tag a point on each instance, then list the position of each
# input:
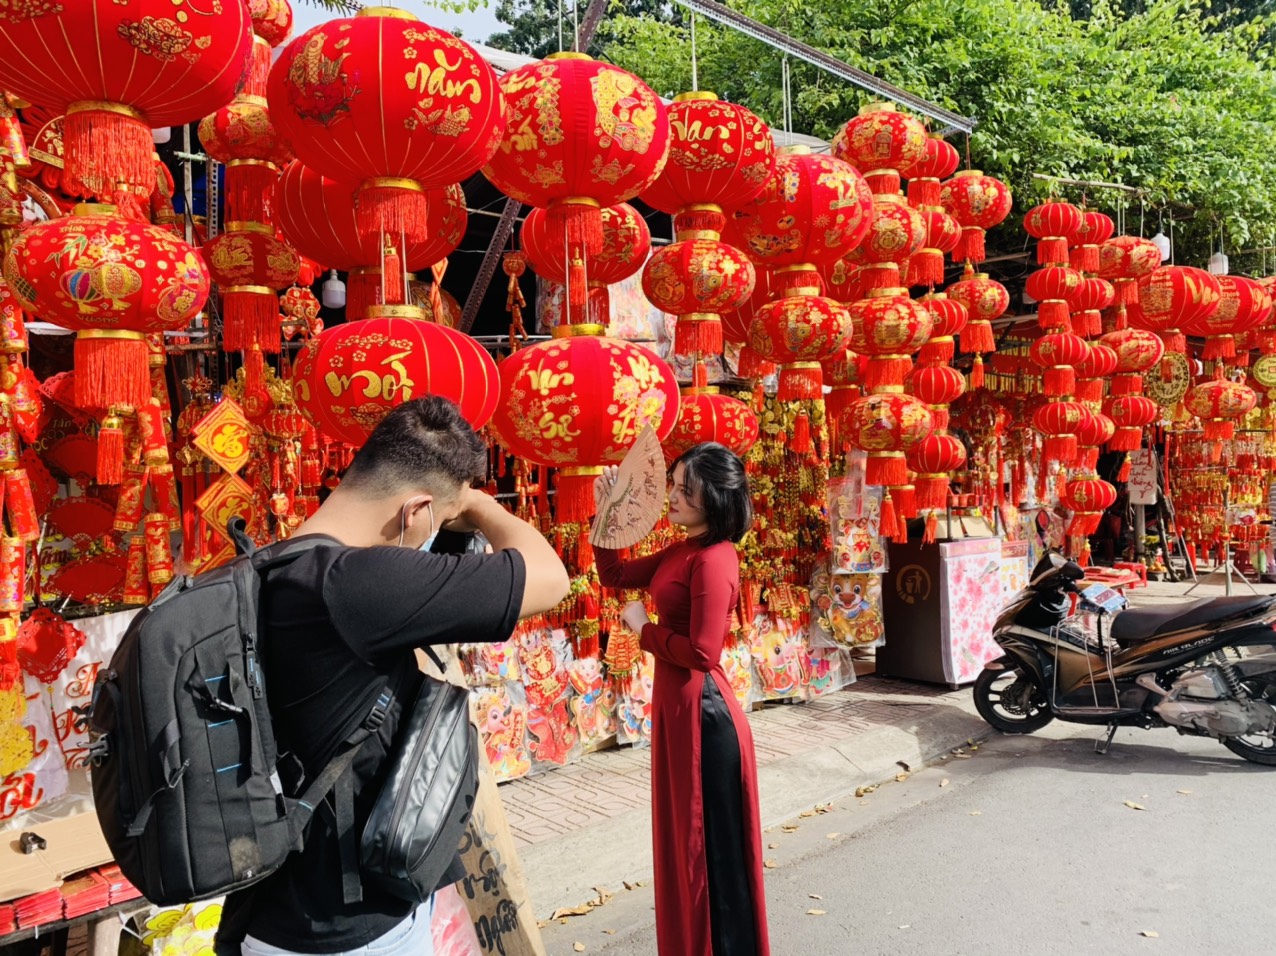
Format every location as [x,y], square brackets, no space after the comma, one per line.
[888,520]
[1052,250]
[978,337]
[886,468]
[1059,380]
[574,503]
[250,190]
[932,527]
[977,374]
[887,370]
[252,318]
[802,381]
[111,368]
[393,205]
[1062,448]
[699,333]
[110,451]
[801,443]
[1126,439]
[107,146]
[1053,315]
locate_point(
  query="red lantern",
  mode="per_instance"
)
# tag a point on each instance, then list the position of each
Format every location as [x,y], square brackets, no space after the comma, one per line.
[888,327]
[842,281]
[113,281]
[1100,362]
[949,317]
[1097,429]
[1053,225]
[1053,287]
[1173,298]
[887,425]
[1137,351]
[896,231]
[698,280]
[1058,353]
[813,211]
[843,374]
[1087,497]
[250,266]
[1243,305]
[1124,260]
[355,373]
[797,332]
[1088,302]
[978,202]
[1130,413]
[117,70]
[985,300]
[926,266]
[707,416]
[924,178]
[933,461]
[1060,422]
[391,106]
[938,386]
[1218,403]
[720,154]
[242,136]
[1096,230]
[577,404]
[880,142]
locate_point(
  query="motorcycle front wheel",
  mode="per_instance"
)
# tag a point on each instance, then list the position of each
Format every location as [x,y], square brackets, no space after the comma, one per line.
[1010,701]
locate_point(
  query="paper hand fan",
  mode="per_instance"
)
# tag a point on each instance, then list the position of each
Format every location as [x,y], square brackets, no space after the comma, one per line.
[636,500]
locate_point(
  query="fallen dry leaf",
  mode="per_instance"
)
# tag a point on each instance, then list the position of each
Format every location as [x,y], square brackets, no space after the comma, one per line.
[832,836]
[815,896]
[823,807]
[944,782]
[901,777]
[542,923]
[1151,934]
[770,864]
[641,883]
[610,932]
[790,829]
[578,947]
[807,813]
[773,846]
[1184,792]
[901,763]
[1135,806]
[976,813]
[604,895]
[815,912]
[570,911]
[906,926]
[962,754]
[628,885]
[865,791]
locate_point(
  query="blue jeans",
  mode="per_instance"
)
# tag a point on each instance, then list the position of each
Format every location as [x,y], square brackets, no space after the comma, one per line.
[410,938]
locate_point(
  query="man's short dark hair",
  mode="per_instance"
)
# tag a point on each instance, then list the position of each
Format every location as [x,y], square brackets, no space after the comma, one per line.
[717,474]
[421,443]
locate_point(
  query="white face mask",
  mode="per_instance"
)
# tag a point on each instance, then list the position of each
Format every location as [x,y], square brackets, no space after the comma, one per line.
[403,523]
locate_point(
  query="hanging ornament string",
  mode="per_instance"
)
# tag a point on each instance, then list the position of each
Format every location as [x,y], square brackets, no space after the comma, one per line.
[560,26]
[695,76]
[786,91]
[575,29]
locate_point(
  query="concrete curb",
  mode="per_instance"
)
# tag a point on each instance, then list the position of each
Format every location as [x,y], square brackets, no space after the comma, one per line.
[564,872]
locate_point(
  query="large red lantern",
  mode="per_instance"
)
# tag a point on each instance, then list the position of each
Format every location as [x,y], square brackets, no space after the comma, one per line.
[581,135]
[1243,305]
[938,386]
[925,176]
[1097,229]
[1053,287]
[1053,225]
[926,266]
[390,106]
[1173,298]
[1091,298]
[813,211]
[119,69]
[1060,422]
[1097,429]
[1059,354]
[842,281]
[250,266]
[978,202]
[112,280]
[797,332]
[707,416]
[698,280]
[1131,414]
[933,460]
[1218,403]
[1100,362]
[577,404]
[949,318]
[896,231]
[985,300]
[1124,260]
[880,142]
[887,425]
[272,20]
[888,327]
[354,374]
[1087,497]
[720,154]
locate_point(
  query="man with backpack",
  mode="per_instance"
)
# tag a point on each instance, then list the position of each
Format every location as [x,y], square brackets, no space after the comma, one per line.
[340,623]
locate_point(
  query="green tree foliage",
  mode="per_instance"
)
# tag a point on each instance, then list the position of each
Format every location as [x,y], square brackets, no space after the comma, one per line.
[533,25]
[1167,96]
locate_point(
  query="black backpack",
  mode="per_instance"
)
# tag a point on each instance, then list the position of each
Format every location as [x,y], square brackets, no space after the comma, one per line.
[188,783]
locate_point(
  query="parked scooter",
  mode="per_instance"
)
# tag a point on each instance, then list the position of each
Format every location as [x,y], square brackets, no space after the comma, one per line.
[1206,668]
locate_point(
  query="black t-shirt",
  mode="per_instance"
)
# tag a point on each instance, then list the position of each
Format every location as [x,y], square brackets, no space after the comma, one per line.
[339,626]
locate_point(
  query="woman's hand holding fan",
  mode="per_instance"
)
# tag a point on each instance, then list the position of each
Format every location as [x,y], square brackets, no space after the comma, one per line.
[630,496]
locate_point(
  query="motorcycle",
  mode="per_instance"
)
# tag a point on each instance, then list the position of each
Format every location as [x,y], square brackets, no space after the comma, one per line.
[1206,668]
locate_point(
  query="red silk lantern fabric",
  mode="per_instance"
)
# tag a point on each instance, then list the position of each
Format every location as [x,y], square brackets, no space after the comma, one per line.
[887,425]
[1058,354]
[1130,413]
[1091,298]
[1137,350]
[318,218]
[978,202]
[354,374]
[626,245]
[1173,298]
[1100,363]
[1053,225]
[896,231]
[1097,229]
[707,416]
[1053,287]
[949,318]
[924,177]
[119,69]
[985,299]
[243,130]
[389,105]
[577,404]
[1088,497]
[932,461]
[1218,403]
[814,210]
[888,328]
[926,266]
[936,384]
[249,266]
[720,154]
[880,142]
[1059,422]
[842,281]
[698,275]
[1243,305]
[1125,259]
[112,280]
[1097,429]
[799,331]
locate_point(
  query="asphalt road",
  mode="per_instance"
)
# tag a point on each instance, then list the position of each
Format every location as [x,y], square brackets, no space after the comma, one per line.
[1026,845]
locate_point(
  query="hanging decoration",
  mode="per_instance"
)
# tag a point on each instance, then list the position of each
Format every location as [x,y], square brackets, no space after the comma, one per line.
[986,300]
[978,203]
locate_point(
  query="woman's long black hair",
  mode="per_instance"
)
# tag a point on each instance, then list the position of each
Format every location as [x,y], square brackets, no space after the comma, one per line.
[716,474]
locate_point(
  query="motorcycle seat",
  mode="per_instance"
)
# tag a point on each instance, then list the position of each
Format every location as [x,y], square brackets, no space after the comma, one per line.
[1139,625]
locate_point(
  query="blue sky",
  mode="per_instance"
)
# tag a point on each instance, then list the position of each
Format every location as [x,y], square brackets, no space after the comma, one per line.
[476,26]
